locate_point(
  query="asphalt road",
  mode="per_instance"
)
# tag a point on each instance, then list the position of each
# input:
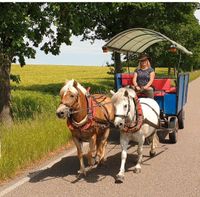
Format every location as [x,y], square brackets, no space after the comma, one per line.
[175,171]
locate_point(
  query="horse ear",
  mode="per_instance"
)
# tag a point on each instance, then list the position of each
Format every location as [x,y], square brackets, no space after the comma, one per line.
[126,93]
[66,81]
[61,92]
[132,93]
[75,84]
[112,92]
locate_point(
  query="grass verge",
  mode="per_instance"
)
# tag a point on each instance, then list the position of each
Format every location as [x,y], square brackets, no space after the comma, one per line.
[30,140]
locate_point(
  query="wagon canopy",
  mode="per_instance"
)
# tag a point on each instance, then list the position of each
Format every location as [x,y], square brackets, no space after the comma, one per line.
[138,40]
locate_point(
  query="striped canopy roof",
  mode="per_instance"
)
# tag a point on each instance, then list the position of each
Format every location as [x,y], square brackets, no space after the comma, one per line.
[138,40]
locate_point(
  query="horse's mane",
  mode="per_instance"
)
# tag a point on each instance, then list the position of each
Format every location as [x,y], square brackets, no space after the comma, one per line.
[69,85]
[120,93]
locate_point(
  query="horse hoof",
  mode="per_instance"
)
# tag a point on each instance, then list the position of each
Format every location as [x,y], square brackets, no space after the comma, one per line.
[152,153]
[137,170]
[97,160]
[92,162]
[81,173]
[119,179]
[102,162]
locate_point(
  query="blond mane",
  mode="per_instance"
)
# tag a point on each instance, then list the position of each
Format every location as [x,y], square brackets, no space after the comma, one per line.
[69,85]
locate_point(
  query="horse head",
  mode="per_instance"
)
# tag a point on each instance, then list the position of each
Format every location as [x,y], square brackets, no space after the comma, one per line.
[124,106]
[69,94]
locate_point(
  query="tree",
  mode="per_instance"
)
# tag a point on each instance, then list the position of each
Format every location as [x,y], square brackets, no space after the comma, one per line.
[175,20]
[24,26]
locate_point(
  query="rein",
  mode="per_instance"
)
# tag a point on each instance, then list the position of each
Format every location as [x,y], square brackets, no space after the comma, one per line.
[88,108]
[89,119]
[149,122]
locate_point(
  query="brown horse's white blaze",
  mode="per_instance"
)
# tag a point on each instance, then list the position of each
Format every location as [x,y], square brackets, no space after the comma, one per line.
[88,118]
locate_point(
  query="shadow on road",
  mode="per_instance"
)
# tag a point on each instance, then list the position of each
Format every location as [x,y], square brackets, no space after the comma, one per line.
[67,168]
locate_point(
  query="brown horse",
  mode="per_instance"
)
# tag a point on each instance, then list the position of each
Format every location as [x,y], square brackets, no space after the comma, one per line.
[89,118]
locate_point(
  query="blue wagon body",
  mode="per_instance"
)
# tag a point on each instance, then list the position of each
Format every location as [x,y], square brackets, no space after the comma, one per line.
[170,99]
[173,103]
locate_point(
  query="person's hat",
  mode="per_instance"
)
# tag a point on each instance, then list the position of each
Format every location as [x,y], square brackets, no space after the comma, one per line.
[143,56]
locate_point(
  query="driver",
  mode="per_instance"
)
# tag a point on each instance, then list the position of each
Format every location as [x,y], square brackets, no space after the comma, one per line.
[144,76]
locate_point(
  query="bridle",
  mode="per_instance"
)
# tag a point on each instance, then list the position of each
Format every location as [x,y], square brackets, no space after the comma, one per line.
[71,111]
[136,124]
[91,104]
[129,108]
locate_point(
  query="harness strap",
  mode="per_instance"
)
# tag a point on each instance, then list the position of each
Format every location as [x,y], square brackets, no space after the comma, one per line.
[87,122]
[139,118]
[151,123]
[151,108]
[90,119]
[148,121]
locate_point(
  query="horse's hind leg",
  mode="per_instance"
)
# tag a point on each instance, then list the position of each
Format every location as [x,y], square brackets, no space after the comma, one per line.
[101,145]
[153,145]
[137,168]
[124,141]
[80,155]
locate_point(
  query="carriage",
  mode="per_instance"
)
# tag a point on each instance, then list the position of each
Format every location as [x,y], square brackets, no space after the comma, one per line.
[170,93]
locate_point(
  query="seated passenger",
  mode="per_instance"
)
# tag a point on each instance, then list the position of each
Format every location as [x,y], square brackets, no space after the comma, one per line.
[144,76]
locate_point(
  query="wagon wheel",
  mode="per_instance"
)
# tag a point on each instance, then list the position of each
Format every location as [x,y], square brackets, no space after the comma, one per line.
[181,118]
[173,124]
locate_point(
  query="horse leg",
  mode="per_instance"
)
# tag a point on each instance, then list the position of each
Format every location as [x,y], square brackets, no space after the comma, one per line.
[124,141]
[101,146]
[92,150]
[153,145]
[137,168]
[80,155]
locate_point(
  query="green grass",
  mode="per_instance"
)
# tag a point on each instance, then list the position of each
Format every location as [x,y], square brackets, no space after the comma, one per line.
[49,79]
[29,141]
[36,130]
[194,75]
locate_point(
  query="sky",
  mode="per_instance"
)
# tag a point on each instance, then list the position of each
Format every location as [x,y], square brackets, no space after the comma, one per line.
[79,53]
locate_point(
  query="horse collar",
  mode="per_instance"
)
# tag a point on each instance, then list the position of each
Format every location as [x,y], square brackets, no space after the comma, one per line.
[139,118]
[87,122]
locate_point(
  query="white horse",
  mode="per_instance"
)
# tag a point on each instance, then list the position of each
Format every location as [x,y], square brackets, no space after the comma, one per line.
[133,125]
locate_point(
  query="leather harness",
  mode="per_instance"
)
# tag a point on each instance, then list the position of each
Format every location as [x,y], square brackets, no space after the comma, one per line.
[140,120]
[91,119]
[136,125]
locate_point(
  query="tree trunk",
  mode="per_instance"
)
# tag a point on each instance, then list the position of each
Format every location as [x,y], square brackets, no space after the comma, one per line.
[169,71]
[118,65]
[5,91]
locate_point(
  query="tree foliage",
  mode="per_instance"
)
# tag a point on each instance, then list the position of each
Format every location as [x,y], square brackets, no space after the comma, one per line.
[25,26]
[175,20]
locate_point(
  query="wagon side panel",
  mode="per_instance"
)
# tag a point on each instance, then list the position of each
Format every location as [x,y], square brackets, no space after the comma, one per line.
[183,80]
